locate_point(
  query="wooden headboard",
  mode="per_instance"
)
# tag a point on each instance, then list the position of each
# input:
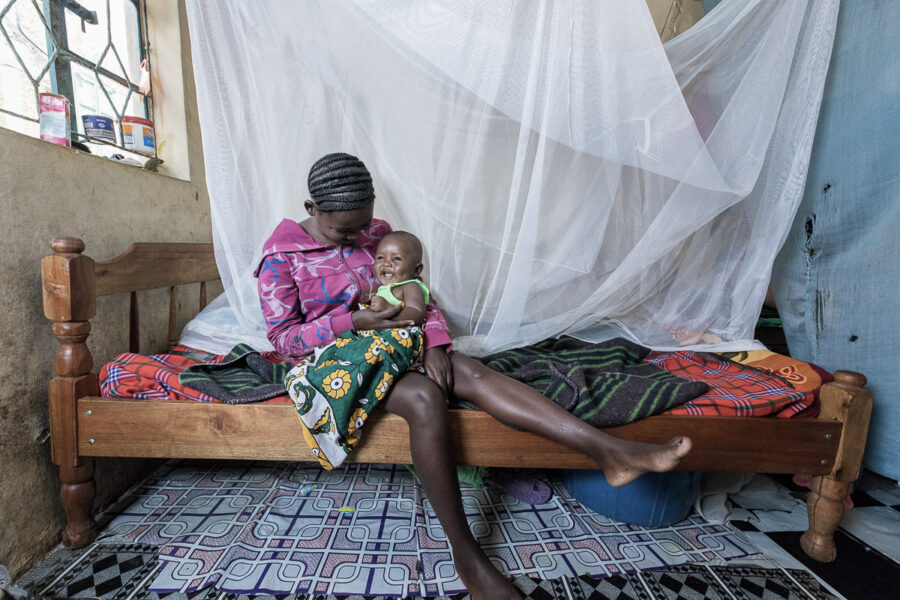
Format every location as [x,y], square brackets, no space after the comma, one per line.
[72,281]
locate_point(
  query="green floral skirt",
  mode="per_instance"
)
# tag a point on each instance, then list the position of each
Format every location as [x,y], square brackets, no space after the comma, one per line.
[336,388]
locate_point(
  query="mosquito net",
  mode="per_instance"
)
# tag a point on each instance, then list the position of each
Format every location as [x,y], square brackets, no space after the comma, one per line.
[566,172]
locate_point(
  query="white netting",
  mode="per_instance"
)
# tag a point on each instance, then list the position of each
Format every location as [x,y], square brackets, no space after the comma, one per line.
[565,171]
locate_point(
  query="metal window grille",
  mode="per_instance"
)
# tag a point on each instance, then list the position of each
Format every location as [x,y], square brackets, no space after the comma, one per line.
[88,51]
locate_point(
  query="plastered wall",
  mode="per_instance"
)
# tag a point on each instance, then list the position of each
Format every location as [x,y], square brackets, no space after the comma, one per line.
[672,17]
[47,191]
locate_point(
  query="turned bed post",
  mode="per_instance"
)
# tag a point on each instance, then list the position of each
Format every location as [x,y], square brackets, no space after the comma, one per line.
[70,301]
[846,401]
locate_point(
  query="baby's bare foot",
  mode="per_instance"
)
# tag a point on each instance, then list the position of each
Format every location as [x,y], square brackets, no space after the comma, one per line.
[482,580]
[627,460]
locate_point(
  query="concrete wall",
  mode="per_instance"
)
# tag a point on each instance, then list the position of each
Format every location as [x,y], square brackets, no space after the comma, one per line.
[48,191]
[672,17]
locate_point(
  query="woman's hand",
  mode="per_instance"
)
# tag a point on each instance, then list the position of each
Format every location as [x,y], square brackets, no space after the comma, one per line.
[439,369]
[378,319]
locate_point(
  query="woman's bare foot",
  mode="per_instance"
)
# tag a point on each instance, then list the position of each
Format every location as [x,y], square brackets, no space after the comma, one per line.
[482,579]
[624,461]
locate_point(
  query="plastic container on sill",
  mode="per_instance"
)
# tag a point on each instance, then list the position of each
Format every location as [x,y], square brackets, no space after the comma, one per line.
[138,135]
[54,119]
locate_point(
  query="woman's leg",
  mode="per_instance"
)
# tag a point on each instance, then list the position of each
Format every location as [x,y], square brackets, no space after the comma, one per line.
[514,403]
[423,406]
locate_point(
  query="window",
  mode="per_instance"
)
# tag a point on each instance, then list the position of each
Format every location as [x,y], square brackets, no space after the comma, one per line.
[89,51]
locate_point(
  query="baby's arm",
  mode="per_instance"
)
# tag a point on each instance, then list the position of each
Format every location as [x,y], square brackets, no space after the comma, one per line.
[414,303]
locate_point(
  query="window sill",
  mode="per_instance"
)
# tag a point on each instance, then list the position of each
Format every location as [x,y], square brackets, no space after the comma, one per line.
[47,149]
[129,162]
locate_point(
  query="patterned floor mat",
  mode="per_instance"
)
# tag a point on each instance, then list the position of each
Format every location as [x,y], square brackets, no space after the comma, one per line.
[367,529]
[113,572]
[98,573]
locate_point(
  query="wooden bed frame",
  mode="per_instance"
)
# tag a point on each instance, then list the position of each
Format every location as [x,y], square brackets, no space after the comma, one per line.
[84,426]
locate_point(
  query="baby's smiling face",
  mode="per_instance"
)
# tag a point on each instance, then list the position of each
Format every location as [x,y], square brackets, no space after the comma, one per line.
[397,258]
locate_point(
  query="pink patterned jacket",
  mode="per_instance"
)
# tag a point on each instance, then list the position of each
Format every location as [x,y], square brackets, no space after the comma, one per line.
[308,289]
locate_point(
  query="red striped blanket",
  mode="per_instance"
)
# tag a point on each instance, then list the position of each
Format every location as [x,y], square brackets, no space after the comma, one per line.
[156,377]
[738,389]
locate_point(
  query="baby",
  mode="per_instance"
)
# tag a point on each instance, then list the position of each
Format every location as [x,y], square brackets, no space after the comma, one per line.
[398,264]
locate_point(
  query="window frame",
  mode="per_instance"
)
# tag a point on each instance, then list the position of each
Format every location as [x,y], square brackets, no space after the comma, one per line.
[60,57]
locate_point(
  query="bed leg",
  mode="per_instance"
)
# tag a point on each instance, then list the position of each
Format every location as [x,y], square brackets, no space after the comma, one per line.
[77,495]
[846,401]
[69,293]
[75,471]
[825,505]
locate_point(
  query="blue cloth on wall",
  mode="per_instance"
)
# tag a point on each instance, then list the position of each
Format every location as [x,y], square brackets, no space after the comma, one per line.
[837,278]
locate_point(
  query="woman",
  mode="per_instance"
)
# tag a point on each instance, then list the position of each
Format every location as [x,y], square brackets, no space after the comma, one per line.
[312,275]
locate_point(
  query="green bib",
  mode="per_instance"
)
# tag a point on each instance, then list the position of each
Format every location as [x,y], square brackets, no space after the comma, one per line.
[386,293]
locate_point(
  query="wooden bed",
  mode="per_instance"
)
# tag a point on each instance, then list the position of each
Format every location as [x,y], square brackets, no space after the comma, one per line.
[84,426]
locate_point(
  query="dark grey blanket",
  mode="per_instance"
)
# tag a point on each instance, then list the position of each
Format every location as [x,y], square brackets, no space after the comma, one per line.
[244,376]
[605,384]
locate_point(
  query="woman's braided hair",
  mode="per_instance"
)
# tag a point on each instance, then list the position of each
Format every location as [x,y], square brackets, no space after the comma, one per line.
[339,182]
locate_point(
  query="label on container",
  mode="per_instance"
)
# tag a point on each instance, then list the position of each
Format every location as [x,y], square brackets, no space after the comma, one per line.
[149,142]
[127,135]
[99,128]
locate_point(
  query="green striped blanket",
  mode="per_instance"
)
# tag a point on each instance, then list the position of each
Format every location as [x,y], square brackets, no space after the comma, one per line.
[605,384]
[243,376]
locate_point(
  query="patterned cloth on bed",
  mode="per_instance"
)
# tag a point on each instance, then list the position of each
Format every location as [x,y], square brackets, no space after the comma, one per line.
[240,377]
[768,384]
[736,389]
[605,384]
[803,376]
[155,377]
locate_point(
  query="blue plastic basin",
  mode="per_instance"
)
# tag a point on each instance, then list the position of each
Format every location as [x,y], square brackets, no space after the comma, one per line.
[651,500]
